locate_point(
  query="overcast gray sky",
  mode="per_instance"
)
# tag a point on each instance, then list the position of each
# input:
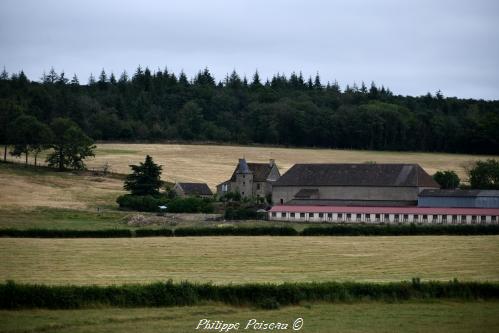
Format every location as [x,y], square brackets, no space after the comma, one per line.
[410,46]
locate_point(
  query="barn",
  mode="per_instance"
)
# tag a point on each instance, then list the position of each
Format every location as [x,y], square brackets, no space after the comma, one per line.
[366,184]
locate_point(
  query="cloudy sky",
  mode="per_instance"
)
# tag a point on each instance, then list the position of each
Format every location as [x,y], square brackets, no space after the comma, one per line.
[410,46]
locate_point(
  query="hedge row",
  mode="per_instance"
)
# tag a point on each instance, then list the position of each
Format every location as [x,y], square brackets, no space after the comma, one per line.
[333,230]
[17,296]
[64,233]
[401,230]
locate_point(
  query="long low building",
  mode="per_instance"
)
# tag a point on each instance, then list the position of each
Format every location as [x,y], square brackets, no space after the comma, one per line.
[377,214]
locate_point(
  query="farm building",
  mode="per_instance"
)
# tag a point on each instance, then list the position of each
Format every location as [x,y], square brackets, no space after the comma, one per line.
[352,185]
[369,214]
[193,190]
[251,179]
[459,198]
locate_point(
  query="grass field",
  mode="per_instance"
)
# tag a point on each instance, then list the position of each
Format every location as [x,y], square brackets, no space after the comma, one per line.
[249,259]
[214,163]
[442,316]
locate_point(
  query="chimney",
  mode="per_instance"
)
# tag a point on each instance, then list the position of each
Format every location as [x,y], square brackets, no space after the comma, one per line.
[271,162]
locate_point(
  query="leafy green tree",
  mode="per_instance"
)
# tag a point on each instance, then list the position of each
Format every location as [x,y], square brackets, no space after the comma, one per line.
[145,178]
[29,135]
[9,111]
[447,179]
[70,144]
[485,175]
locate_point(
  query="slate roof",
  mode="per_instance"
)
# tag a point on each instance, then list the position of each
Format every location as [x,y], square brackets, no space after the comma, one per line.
[306,193]
[260,171]
[195,188]
[459,193]
[392,175]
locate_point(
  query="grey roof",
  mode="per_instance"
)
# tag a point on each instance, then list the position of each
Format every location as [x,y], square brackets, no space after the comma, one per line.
[356,175]
[355,203]
[459,193]
[195,188]
[242,166]
[260,171]
[306,193]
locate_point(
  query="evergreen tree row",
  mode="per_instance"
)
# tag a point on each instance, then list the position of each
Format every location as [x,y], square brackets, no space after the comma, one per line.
[283,110]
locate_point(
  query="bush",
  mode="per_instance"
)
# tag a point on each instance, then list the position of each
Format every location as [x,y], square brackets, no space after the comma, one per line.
[190,205]
[268,296]
[142,203]
[243,214]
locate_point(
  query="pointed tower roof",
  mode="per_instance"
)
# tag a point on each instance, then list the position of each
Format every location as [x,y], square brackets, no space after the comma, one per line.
[242,167]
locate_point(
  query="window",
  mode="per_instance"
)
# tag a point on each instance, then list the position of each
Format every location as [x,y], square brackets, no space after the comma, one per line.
[302,215]
[415,217]
[406,217]
[274,214]
[435,217]
[483,219]
[494,219]
[357,217]
[444,218]
[463,218]
[258,186]
[244,183]
[321,215]
[244,176]
[242,193]
[397,216]
[473,219]
[378,216]
[311,215]
[349,216]
[340,215]
[329,215]
[387,216]
[283,214]
[225,187]
[282,201]
[425,217]
[292,214]
[454,218]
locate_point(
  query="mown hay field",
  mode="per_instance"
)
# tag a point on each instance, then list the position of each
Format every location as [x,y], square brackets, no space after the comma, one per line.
[214,163]
[249,259]
[372,317]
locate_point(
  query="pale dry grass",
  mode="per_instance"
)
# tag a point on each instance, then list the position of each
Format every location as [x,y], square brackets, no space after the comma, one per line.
[24,189]
[249,259]
[213,164]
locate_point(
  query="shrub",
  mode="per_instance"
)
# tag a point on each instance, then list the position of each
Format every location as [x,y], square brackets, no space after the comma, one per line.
[190,205]
[143,203]
[243,214]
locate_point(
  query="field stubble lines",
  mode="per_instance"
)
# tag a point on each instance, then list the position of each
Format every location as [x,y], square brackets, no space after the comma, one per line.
[249,259]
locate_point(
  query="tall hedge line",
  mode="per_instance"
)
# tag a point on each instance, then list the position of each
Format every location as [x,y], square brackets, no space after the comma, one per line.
[65,233]
[401,230]
[330,230]
[236,231]
[17,296]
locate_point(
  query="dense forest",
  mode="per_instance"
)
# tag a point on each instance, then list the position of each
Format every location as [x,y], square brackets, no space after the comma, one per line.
[284,110]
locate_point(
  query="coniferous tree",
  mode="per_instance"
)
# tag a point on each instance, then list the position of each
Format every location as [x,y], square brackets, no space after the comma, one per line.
[145,178]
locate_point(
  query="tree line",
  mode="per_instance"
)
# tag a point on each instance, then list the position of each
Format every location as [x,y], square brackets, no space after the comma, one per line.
[282,110]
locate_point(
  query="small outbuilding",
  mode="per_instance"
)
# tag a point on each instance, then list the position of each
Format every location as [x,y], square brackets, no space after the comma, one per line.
[192,190]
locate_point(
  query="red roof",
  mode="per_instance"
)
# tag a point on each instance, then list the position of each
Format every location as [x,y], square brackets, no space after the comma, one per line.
[385,210]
